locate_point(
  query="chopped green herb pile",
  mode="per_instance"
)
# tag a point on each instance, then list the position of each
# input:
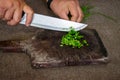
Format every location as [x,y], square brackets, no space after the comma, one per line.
[73,39]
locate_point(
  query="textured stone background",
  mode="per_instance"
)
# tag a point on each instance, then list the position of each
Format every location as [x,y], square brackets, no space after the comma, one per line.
[14,66]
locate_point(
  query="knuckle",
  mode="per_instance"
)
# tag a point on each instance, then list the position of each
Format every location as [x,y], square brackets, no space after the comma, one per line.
[31,11]
[10,5]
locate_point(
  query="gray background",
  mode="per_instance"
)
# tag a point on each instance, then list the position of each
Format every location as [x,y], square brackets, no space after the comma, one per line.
[16,66]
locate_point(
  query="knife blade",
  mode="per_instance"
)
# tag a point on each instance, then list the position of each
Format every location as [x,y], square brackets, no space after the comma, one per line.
[53,23]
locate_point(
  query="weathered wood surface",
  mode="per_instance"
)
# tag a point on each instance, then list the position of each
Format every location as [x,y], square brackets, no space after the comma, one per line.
[45,51]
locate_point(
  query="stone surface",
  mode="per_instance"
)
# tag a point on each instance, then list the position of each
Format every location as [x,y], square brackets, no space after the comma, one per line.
[14,66]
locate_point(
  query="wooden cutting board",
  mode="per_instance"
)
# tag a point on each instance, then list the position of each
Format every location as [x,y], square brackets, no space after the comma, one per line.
[45,51]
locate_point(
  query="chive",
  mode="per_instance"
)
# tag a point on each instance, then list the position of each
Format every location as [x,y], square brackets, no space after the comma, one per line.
[73,39]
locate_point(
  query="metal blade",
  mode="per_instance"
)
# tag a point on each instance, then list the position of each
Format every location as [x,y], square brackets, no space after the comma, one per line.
[52,23]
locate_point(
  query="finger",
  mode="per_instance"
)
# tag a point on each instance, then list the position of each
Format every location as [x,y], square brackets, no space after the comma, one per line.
[74,13]
[9,14]
[80,15]
[64,15]
[2,12]
[16,17]
[29,14]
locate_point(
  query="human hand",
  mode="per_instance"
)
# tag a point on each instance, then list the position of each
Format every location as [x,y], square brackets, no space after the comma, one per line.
[63,7]
[11,11]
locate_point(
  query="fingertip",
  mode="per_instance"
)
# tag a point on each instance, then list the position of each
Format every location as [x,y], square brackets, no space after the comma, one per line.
[79,19]
[81,15]
[29,15]
[75,16]
[11,22]
[65,17]
[29,18]
[27,25]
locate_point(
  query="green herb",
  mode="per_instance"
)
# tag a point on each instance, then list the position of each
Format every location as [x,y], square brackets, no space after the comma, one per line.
[87,11]
[73,39]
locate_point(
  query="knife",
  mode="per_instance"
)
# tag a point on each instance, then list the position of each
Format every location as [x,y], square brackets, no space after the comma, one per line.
[53,23]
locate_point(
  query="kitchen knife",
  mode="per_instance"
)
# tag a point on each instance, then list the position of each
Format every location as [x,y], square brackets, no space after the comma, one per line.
[52,23]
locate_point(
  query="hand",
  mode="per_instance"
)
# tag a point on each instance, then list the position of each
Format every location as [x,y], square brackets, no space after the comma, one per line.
[63,7]
[11,11]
